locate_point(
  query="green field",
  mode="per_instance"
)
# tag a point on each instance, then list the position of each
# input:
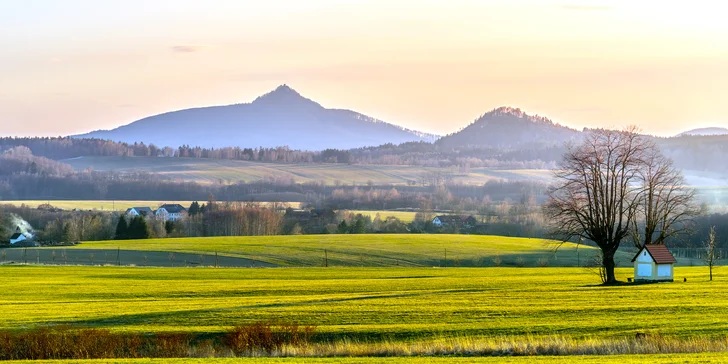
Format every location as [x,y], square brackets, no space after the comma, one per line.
[366,304]
[371,250]
[382,295]
[228,171]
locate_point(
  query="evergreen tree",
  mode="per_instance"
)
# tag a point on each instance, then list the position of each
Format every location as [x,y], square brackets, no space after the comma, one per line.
[343,228]
[122,229]
[138,228]
[194,208]
[169,226]
[359,227]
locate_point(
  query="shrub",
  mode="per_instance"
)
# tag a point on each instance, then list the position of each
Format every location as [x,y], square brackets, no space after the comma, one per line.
[265,337]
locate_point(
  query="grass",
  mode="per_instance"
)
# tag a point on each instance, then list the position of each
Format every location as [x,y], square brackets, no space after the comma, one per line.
[590,359]
[372,250]
[404,305]
[228,171]
[105,205]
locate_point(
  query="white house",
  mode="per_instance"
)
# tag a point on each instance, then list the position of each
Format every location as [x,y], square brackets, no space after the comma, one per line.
[139,211]
[17,237]
[454,220]
[170,212]
[653,263]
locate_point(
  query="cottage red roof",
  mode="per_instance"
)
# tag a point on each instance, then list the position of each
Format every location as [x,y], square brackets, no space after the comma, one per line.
[659,253]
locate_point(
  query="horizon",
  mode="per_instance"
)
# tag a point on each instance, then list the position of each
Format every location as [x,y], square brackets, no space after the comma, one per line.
[80,66]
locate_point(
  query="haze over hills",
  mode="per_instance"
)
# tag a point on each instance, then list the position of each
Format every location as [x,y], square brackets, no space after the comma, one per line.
[507,127]
[705,131]
[279,118]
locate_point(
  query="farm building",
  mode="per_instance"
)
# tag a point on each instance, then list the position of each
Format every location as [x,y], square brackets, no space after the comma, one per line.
[171,212]
[454,220]
[653,263]
[139,211]
[17,237]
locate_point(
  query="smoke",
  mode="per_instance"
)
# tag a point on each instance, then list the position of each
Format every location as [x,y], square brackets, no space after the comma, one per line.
[25,227]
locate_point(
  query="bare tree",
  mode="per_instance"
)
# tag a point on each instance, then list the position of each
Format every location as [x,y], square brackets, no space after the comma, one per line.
[711,255]
[665,205]
[596,192]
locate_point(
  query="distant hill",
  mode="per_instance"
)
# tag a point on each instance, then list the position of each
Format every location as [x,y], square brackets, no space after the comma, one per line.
[705,131]
[507,128]
[279,118]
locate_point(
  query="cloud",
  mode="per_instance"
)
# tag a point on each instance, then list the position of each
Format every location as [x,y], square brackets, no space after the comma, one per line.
[189,48]
[582,7]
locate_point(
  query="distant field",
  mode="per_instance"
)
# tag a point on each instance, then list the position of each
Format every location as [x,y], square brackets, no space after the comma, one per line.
[107,205]
[404,216]
[371,250]
[227,171]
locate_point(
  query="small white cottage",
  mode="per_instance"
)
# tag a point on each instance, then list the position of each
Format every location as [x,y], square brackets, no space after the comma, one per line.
[653,263]
[17,237]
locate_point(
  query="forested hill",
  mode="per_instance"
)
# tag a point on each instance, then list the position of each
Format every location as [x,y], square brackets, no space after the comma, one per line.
[280,118]
[509,128]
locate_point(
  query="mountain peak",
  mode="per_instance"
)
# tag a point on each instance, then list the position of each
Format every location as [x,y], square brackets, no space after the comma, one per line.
[516,112]
[283,95]
[285,89]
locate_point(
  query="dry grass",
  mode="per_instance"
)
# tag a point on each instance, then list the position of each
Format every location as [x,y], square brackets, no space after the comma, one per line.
[290,340]
[506,346]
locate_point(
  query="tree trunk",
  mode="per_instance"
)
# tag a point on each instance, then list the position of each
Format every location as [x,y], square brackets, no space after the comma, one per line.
[608,262]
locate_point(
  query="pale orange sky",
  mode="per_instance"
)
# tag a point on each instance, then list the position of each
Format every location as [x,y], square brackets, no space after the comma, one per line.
[79,65]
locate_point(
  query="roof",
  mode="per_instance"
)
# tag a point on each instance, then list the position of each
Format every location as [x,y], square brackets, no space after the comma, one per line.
[659,253]
[173,208]
[16,235]
[453,218]
[144,211]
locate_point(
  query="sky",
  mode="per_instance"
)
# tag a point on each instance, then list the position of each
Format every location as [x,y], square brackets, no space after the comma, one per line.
[75,66]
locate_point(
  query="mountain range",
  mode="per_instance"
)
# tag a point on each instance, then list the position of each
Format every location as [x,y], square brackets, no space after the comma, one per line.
[279,118]
[283,117]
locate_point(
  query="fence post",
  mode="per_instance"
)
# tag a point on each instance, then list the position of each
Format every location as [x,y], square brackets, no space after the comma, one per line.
[118,256]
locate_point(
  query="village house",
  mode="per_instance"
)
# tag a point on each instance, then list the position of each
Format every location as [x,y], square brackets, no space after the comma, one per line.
[171,212]
[459,221]
[17,237]
[139,211]
[653,263]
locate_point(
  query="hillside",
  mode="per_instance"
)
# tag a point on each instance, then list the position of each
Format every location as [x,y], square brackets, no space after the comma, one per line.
[279,118]
[229,171]
[705,131]
[508,128]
